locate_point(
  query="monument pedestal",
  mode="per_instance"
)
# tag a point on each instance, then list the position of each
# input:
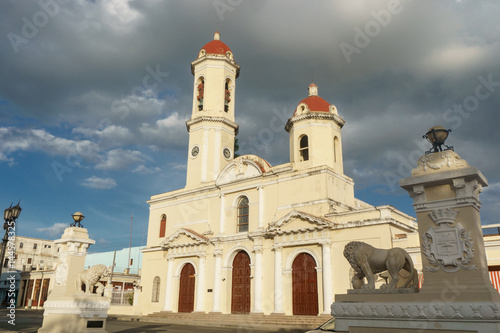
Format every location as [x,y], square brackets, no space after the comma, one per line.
[67,309]
[457,295]
[380,313]
[78,313]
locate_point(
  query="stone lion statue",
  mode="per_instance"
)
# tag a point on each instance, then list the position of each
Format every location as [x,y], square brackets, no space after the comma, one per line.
[367,261]
[90,278]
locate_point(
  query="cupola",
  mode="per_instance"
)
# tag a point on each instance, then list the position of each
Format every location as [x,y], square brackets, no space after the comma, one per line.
[313,102]
[216,47]
[314,130]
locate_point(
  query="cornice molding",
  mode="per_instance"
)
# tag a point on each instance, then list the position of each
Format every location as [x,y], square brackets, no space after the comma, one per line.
[209,119]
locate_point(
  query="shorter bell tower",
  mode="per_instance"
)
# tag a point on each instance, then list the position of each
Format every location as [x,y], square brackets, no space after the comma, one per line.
[212,128]
[315,137]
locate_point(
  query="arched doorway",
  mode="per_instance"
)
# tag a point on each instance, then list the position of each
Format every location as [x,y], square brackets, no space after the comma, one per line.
[304,285]
[240,299]
[186,289]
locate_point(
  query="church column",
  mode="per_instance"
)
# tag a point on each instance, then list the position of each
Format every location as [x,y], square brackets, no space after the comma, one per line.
[222,213]
[261,207]
[200,295]
[257,298]
[327,277]
[204,163]
[218,150]
[168,286]
[217,280]
[278,280]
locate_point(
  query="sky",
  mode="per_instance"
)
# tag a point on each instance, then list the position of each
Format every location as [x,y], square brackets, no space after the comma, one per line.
[94,96]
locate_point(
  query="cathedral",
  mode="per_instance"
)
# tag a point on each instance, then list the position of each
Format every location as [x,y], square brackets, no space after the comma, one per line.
[244,236]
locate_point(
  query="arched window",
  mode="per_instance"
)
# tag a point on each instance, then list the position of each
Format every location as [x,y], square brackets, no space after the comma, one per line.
[304,148]
[201,93]
[163,225]
[335,148]
[243,214]
[21,245]
[227,96]
[155,297]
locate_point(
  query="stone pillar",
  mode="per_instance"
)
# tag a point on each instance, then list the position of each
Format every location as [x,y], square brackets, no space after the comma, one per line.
[217,281]
[456,295]
[327,277]
[278,280]
[261,207]
[257,297]
[200,290]
[445,190]
[67,309]
[168,285]
[222,214]
[73,247]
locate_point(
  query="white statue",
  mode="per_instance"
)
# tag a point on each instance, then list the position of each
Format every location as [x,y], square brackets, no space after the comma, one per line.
[61,271]
[367,261]
[90,278]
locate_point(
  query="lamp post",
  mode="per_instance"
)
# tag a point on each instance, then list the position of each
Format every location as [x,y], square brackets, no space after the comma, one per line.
[437,135]
[77,217]
[9,215]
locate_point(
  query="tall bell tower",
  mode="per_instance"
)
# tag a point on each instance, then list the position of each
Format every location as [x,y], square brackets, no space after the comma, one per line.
[212,128]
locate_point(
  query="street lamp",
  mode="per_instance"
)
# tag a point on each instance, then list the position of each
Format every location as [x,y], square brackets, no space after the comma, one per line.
[437,135]
[77,217]
[10,216]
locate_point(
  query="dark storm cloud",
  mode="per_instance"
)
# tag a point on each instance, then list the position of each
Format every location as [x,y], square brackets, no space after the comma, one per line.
[413,63]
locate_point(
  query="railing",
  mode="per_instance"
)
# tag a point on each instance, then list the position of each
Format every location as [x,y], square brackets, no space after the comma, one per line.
[491,230]
[122,297]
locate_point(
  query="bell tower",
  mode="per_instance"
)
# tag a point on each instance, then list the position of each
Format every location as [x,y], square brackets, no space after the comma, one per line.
[212,128]
[315,133]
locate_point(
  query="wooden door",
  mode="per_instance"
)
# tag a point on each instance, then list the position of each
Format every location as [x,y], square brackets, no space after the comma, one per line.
[305,285]
[36,293]
[240,300]
[45,291]
[186,289]
[28,292]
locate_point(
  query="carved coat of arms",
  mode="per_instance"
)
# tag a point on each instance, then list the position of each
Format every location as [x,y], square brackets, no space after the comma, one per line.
[448,246]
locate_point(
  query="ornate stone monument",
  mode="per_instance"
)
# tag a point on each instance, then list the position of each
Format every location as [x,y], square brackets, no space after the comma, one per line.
[456,295]
[68,309]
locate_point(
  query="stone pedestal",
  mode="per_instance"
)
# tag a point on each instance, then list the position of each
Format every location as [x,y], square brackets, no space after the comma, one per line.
[457,295]
[66,309]
[78,313]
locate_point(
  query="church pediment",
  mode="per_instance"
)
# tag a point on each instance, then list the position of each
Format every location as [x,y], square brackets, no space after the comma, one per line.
[184,237]
[243,167]
[297,221]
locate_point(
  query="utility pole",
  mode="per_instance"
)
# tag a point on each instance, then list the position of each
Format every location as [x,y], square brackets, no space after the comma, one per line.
[130,244]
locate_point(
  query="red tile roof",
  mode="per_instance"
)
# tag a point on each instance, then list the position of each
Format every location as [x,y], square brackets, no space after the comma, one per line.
[216,47]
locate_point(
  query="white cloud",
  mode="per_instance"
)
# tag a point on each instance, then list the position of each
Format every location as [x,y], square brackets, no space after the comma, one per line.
[99,183]
[12,140]
[103,241]
[109,136]
[55,230]
[167,132]
[453,58]
[142,169]
[119,159]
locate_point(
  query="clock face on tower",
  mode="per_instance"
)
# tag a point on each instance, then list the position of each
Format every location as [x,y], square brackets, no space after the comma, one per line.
[227,153]
[195,151]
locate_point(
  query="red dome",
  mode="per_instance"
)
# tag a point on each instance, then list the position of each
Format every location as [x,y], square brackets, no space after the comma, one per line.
[216,46]
[316,103]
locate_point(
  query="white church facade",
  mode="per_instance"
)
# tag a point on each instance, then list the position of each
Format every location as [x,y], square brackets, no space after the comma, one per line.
[247,237]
